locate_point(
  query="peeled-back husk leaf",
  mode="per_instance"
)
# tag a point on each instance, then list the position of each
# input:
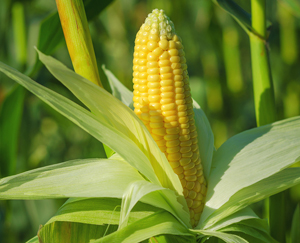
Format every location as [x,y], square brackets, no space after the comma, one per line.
[120,117]
[99,211]
[248,158]
[145,191]
[77,178]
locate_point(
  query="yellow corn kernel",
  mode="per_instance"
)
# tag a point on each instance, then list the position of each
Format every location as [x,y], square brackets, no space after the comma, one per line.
[162,100]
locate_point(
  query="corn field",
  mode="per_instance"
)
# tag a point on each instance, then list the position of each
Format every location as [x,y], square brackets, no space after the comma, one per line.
[149,121]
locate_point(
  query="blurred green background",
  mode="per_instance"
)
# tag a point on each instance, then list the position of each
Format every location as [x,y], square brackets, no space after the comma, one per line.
[218,57]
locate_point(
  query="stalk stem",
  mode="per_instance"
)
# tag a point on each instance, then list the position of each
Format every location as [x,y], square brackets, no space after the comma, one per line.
[264,102]
[78,38]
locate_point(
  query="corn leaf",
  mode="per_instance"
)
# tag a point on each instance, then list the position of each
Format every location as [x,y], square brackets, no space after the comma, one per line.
[166,198]
[256,192]
[247,231]
[122,119]
[101,129]
[228,238]
[33,240]
[240,216]
[295,233]
[99,211]
[118,89]
[73,232]
[159,223]
[250,157]
[78,178]
[205,138]
[10,119]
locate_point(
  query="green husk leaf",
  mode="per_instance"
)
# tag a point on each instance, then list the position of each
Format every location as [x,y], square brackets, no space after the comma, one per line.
[10,119]
[240,216]
[166,198]
[229,238]
[101,129]
[159,223]
[256,192]
[119,90]
[122,119]
[205,138]
[295,233]
[99,211]
[248,158]
[73,232]
[77,178]
[259,236]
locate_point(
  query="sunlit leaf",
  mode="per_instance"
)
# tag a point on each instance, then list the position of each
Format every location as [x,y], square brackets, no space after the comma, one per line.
[78,178]
[250,157]
[256,192]
[155,224]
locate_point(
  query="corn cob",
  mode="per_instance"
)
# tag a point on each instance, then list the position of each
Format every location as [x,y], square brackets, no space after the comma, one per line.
[162,100]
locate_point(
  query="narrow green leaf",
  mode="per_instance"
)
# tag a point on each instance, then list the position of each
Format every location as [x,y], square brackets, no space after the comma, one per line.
[51,34]
[250,157]
[256,192]
[119,90]
[101,129]
[238,13]
[295,233]
[122,119]
[78,178]
[293,5]
[10,119]
[69,232]
[156,224]
[229,238]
